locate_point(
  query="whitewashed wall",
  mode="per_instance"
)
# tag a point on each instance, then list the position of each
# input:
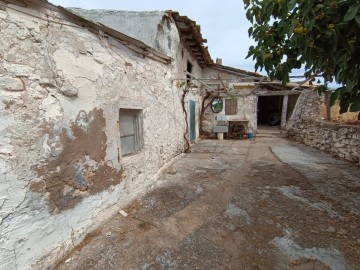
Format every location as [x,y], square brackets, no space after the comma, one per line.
[61,88]
[246,103]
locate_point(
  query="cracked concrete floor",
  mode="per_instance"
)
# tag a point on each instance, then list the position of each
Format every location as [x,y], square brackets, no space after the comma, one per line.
[264,204]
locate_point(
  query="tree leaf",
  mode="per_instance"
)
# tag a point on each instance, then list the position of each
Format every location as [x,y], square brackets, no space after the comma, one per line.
[357,19]
[321,35]
[350,14]
[250,31]
[344,105]
[355,104]
[291,4]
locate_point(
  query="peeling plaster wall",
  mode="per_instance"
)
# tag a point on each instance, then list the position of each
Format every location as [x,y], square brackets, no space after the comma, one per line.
[61,88]
[159,31]
[246,103]
[154,28]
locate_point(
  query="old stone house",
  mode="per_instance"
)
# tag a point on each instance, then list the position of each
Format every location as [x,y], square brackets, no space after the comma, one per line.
[88,117]
[247,99]
[93,105]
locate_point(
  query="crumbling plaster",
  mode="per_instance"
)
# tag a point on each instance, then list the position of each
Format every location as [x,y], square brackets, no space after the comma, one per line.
[155,28]
[53,78]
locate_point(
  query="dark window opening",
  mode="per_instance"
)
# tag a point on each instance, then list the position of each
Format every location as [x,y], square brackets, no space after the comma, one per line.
[189,68]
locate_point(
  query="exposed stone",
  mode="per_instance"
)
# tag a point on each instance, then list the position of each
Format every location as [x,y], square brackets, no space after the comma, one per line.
[18,69]
[172,170]
[306,126]
[47,82]
[69,90]
[11,84]
[337,144]
[330,229]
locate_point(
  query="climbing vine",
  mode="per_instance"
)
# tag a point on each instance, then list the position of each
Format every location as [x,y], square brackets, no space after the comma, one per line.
[185,87]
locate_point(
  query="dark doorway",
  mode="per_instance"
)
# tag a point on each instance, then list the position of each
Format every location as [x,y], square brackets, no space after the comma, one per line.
[189,68]
[269,110]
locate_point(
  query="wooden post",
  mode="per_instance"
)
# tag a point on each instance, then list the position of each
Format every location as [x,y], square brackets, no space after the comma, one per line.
[327,105]
[284,112]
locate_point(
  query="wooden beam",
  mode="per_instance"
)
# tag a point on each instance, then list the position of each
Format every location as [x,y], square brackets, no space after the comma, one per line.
[327,97]
[191,42]
[261,92]
[182,25]
[187,36]
[195,49]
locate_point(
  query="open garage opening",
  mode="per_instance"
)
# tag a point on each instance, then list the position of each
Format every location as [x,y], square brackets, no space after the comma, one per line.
[270,109]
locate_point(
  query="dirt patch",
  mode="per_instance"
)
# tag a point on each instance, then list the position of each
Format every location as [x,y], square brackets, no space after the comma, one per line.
[80,169]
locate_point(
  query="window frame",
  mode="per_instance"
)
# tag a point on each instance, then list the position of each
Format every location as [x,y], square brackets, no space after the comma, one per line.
[137,129]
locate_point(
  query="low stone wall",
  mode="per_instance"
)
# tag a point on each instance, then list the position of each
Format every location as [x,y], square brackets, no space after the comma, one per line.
[337,139]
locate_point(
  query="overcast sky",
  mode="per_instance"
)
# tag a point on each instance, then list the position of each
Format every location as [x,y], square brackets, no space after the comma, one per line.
[223,23]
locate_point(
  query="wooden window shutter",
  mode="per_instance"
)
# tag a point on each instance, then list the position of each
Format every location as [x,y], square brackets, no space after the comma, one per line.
[230,106]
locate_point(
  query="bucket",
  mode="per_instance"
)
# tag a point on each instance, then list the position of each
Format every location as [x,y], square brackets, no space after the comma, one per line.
[251,136]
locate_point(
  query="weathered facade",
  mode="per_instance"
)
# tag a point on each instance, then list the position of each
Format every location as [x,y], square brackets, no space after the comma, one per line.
[88,116]
[252,97]
[91,111]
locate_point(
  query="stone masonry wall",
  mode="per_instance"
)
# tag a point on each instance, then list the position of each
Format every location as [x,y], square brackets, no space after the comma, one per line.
[61,169]
[337,139]
[306,126]
[307,106]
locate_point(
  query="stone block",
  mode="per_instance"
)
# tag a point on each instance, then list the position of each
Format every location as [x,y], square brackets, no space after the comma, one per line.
[69,90]
[11,84]
[47,82]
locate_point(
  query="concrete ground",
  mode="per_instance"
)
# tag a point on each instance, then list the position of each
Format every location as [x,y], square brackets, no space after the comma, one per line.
[263,204]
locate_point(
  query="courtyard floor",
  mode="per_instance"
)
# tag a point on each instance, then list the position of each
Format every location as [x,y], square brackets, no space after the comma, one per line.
[270,203]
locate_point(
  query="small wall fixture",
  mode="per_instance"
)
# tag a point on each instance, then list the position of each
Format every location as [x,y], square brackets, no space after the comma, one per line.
[217,105]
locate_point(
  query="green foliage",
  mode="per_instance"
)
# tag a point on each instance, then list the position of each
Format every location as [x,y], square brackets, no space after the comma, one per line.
[322,36]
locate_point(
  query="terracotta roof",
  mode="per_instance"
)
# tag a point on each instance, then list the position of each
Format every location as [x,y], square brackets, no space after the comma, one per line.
[190,33]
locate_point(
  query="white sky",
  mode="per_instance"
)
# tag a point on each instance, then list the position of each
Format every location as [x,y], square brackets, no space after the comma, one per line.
[223,23]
